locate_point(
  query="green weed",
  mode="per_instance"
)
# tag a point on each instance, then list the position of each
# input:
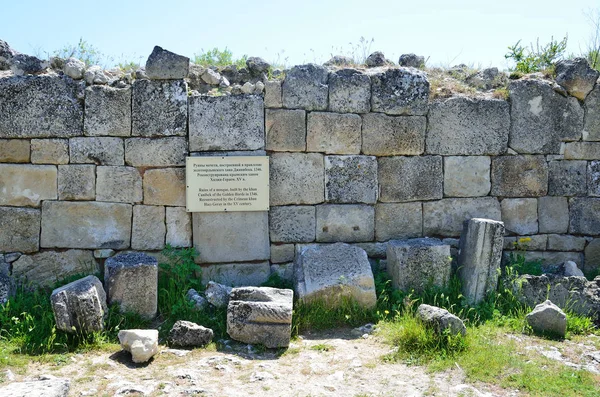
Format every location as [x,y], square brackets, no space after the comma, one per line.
[536,58]
[217,57]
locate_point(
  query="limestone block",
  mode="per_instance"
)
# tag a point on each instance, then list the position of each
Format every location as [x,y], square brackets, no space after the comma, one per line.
[559,242]
[591,126]
[445,217]
[85,225]
[286,130]
[99,151]
[118,184]
[296,178]
[553,213]
[467,126]
[576,76]
[519,176]
[567,178]
[417,264]
[260,315]
[592,256]
[107,111]
[141,343]
[293,224]
[534,242]
[552,259]
[148,231]
[159,108]
[80,306]
[398,220]
[481,244]
[410,178]
[348,223]
[333,133]
[273,94]
[351,179]
[165,186]
[131,281]
[467,176]
[584,216]
[547,319]
[593,178]
[237,274]
[400,91]
[27,185]
[40,107]
[233,122]
[392,136]
[188,334]
[179,227]
[50,151]
[225,237]
[46,268]
[582,151]
[541,118]
[441,320]
[14,151]
[282,253]
[349,91]
[333,272]
[305,87]
[77,182]
[163,152]
[520,215]
[54,387]
[166,65]
[19,229]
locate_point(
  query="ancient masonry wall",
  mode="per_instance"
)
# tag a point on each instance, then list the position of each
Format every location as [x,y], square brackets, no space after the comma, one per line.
[355,156]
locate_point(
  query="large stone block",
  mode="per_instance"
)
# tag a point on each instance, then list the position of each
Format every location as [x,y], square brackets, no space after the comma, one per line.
[233,122]
[351,179]
[296,178]
[163,152]
[584,216]
[19,229]
[286,130]
[80,306]
[48,267]
[40,107]
[165,186]
[50,151]
[398,220]
[14,151]
[237,274]
[333,133]
[401,91]
[467,126]
[149,229]
[446,217]
[541,118]
[553,214]
[225,236]
[591,126]
[159,108]
[332,273]
[349,223]
[118,184]
[349,91]
[293,224]
[582,151]
[410,178]
[85,225]
[305,87]
[179,227]
[567,178]
[99,151]
[593,178]
[392,136]
[26,185]
[519,176]
[467,176]
[77,182]
[520,215]
[107,111]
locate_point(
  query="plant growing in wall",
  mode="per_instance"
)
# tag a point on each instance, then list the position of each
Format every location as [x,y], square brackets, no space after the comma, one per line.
[536,58]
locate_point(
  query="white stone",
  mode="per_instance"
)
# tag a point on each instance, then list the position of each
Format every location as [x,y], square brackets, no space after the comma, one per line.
[571,269]
[141,343]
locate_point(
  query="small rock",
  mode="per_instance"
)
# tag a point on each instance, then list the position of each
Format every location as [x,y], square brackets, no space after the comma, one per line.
[166,65]
[217,294]
[339,60]
[441,320]
[259,87]
[247,88]
[261,376]
[224,83]
[103,253]
[576,76]
[376,59]
[141,343]
[188,334]
[257,65]
[236,89]
[57,63]
[198,300]
[74,68]
[364,330]
[26,64]
[140,74]
[571,269]
[211,77]
[547,319]
[95,75]
[411,60]
[89,392]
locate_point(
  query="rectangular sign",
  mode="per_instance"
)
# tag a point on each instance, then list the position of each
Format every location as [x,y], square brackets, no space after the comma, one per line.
[227,183]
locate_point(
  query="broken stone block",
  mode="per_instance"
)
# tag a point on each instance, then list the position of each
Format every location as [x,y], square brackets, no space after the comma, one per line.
[510,180]
[46,268]
[166,65]
[411,60]
[400,91]
[567,178]
[348,223]
[296,178]
[141,343]
[50,151]
[349,91]
[164,186]
[584,215]
[99,151]
[189,334]
[466,176]
[547,319]
[131,281]
[285,130]
[410,178]
[77,182]
[553,214]
[161,152]
[260,315]
[179,227]
[238,274]
[333,133]
[24,227]
[148,229]
[385,135]
[26,185]
[80,306]
[14,151]
[292,224]
[351,179]
[441,320]
[118,184]
[520,215]
[107,111]
[398,220]
[446,217]
[217,294]
[159,108]
[305,87]
[576,76]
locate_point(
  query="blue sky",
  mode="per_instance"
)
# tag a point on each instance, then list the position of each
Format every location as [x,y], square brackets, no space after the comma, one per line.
[448,32]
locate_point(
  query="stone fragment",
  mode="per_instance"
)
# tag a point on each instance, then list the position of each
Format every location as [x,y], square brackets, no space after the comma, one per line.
[238,274]
[80,306]
[571,269]
[519,176]
[285,130]
[582,151]
[592,256]
[95,75]
[257,65]
[14,151]
[273,94]
[46,268]
[217,294]
[467,126]
[77,182]
[189,334]
[553,214]
[376,59]
[55,387]
[282,253]
[74,68]
[107,111]
[20,229]
[520,215]
[398,220]
[260,315]
[148,230]
[248,88]
[418,264]
[118,184]
[467,176]
[412,61]
[576,76]
[26,185]
[591,126]
[333,272]
[179,227]
[349,91]
[584,216]
[230,122]
[558,242]
[593,179]
[131,281]
[296,178]
[446,217]
[333,133]
[162,152]
[349,223]
[293,224]
[441,320]
[547,319]
[390,136]
[305,87]
[567,178]
[166,65]
[400,91]
[85,225]
[99,151]
[410,178]
[141,343]
[159,108]
[103,253]
[22,64]
[200,303]
[481,244]
[210,76]
[351,179]
[50,151]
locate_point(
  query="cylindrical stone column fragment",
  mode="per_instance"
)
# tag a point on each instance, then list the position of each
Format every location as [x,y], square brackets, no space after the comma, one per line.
[481,244]
[132,282]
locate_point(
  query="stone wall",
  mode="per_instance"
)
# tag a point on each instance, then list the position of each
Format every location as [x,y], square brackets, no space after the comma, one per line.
[358,156]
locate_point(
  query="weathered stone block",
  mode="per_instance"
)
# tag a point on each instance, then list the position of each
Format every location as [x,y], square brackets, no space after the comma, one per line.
[333,133]
[166,65]
[164,152]
[296,178]
[159,108]
[441,320]
[50,151]
[27,185]
[14,151]
[584,216]
[390,136]
[217,294]
[224,237]
[591,126]
[558,242]
[398,220]
[179,227]
[286,130]
[592,256]
[348,223]
[40,107]
[282,253]
[233,122]
[118,184]
[99,151]
[446,217]
[402,91]
[46,268]
[467,126]
[553,213]
[351,179]
[19,229]
[273,94]
[547,319]
[467,176]
[237,274]
[305,87]
[294,224]
[519,176]
[576,76]
[582,151]
[80,306]
[520,215]
[593,178]
[107,111]
[349,91]
[77,182]
[410,178]
[567,178]
[85,225]
[148,231]
[188,334]
[165,186]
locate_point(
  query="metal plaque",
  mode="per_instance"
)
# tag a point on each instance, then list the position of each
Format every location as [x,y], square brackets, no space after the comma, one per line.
[227,183]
